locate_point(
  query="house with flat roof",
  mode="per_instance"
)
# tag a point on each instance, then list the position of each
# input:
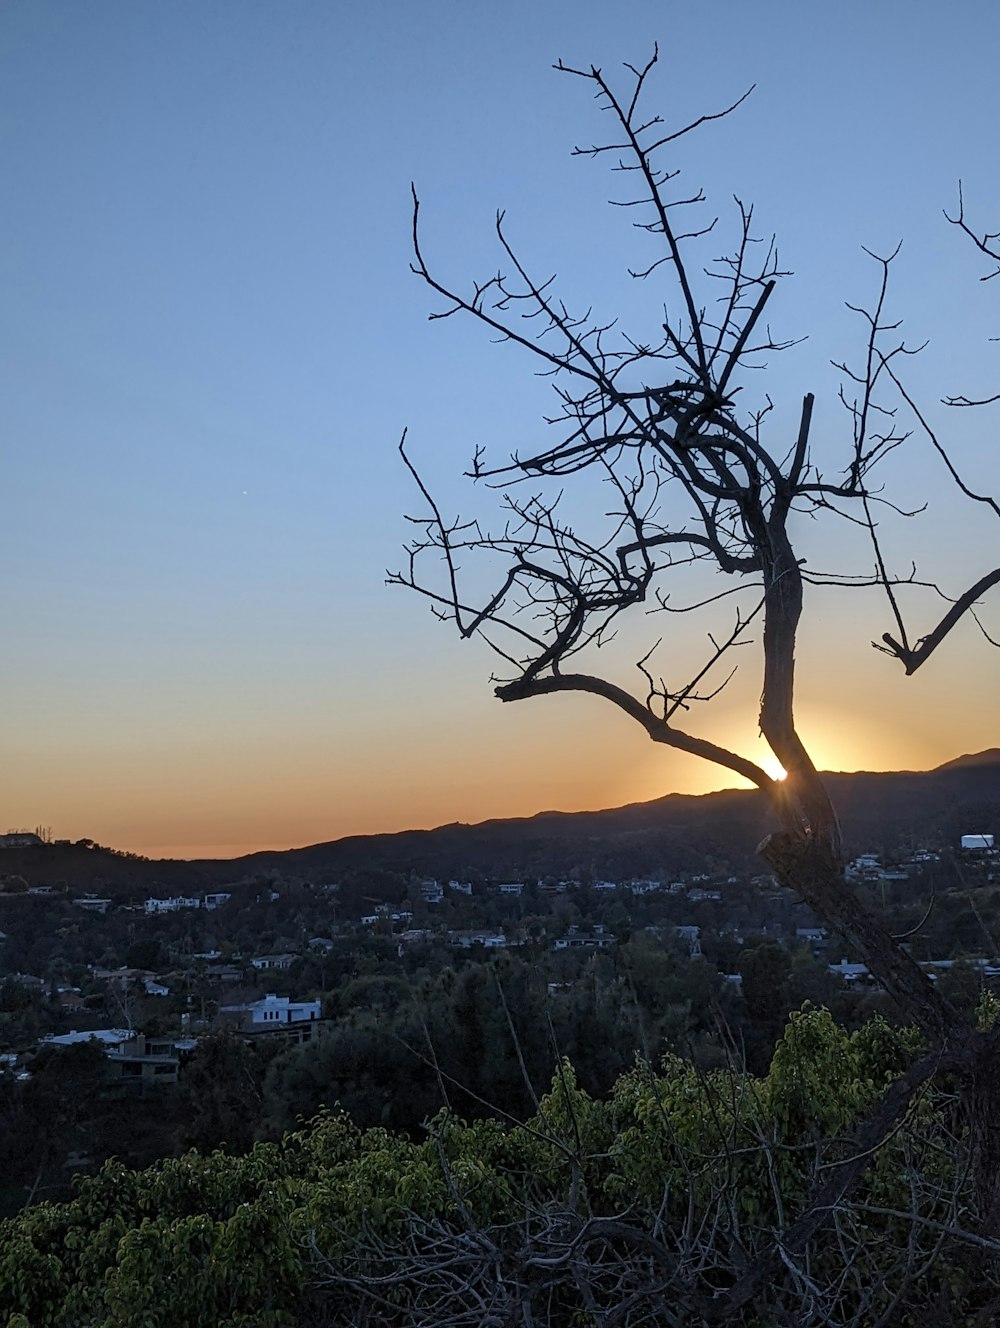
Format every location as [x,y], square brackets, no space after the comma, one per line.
[132,1058]
[275,1015]
[278,961]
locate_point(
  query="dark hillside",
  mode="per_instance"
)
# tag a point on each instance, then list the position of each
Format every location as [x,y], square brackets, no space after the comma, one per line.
[881,812]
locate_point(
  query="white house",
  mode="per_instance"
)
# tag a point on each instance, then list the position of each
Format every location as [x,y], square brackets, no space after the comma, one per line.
[279,961]
[217,899]
[272,1011]
[173,904]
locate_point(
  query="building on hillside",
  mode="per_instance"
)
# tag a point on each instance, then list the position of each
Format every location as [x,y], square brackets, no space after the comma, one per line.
[277,961]
[273,1009]
[217,899]
[274,1014]
[223,973]
[132,1058]
[143,1061]
[644,887]
[26,980]
[511,888]
[413,936]
[852,975]
[109,1038]
[865,867]
[92,904]
[173,904]
[489,940]
[817,937]
[978,843]
[574,939]
[20,839]
[431,892]
[118,977]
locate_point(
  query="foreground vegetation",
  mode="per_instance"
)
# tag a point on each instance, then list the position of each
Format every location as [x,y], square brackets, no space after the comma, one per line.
[658,1203]
[491,1030]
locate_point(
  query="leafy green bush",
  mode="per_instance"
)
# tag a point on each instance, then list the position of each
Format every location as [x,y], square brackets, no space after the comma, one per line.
[663,1192]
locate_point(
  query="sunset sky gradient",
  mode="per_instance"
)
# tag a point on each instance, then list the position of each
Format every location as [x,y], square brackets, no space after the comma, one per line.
[211,342]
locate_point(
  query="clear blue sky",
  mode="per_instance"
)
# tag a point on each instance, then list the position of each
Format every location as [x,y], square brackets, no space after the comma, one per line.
[210,343]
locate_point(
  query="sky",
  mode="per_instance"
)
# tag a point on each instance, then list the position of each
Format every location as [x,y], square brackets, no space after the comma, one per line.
[210,343]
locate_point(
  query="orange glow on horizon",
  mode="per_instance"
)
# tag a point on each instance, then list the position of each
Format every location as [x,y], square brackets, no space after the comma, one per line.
[235,789]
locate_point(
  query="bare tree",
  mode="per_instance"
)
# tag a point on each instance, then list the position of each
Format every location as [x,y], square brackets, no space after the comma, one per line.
[673,473]
[916,653]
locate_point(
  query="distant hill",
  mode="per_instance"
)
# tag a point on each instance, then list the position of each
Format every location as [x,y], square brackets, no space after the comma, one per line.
[677,833]
[102,870]
[990,757]
[878,811]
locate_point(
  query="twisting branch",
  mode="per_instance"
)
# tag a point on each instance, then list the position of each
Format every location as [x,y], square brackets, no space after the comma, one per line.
[877,433]
[912,658]
[987,242]
[880,362]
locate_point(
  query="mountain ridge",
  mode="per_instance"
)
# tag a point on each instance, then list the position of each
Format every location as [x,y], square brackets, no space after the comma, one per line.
[991,756]
[880,811]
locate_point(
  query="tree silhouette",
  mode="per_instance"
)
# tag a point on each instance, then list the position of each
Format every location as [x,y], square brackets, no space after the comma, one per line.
[664,469]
